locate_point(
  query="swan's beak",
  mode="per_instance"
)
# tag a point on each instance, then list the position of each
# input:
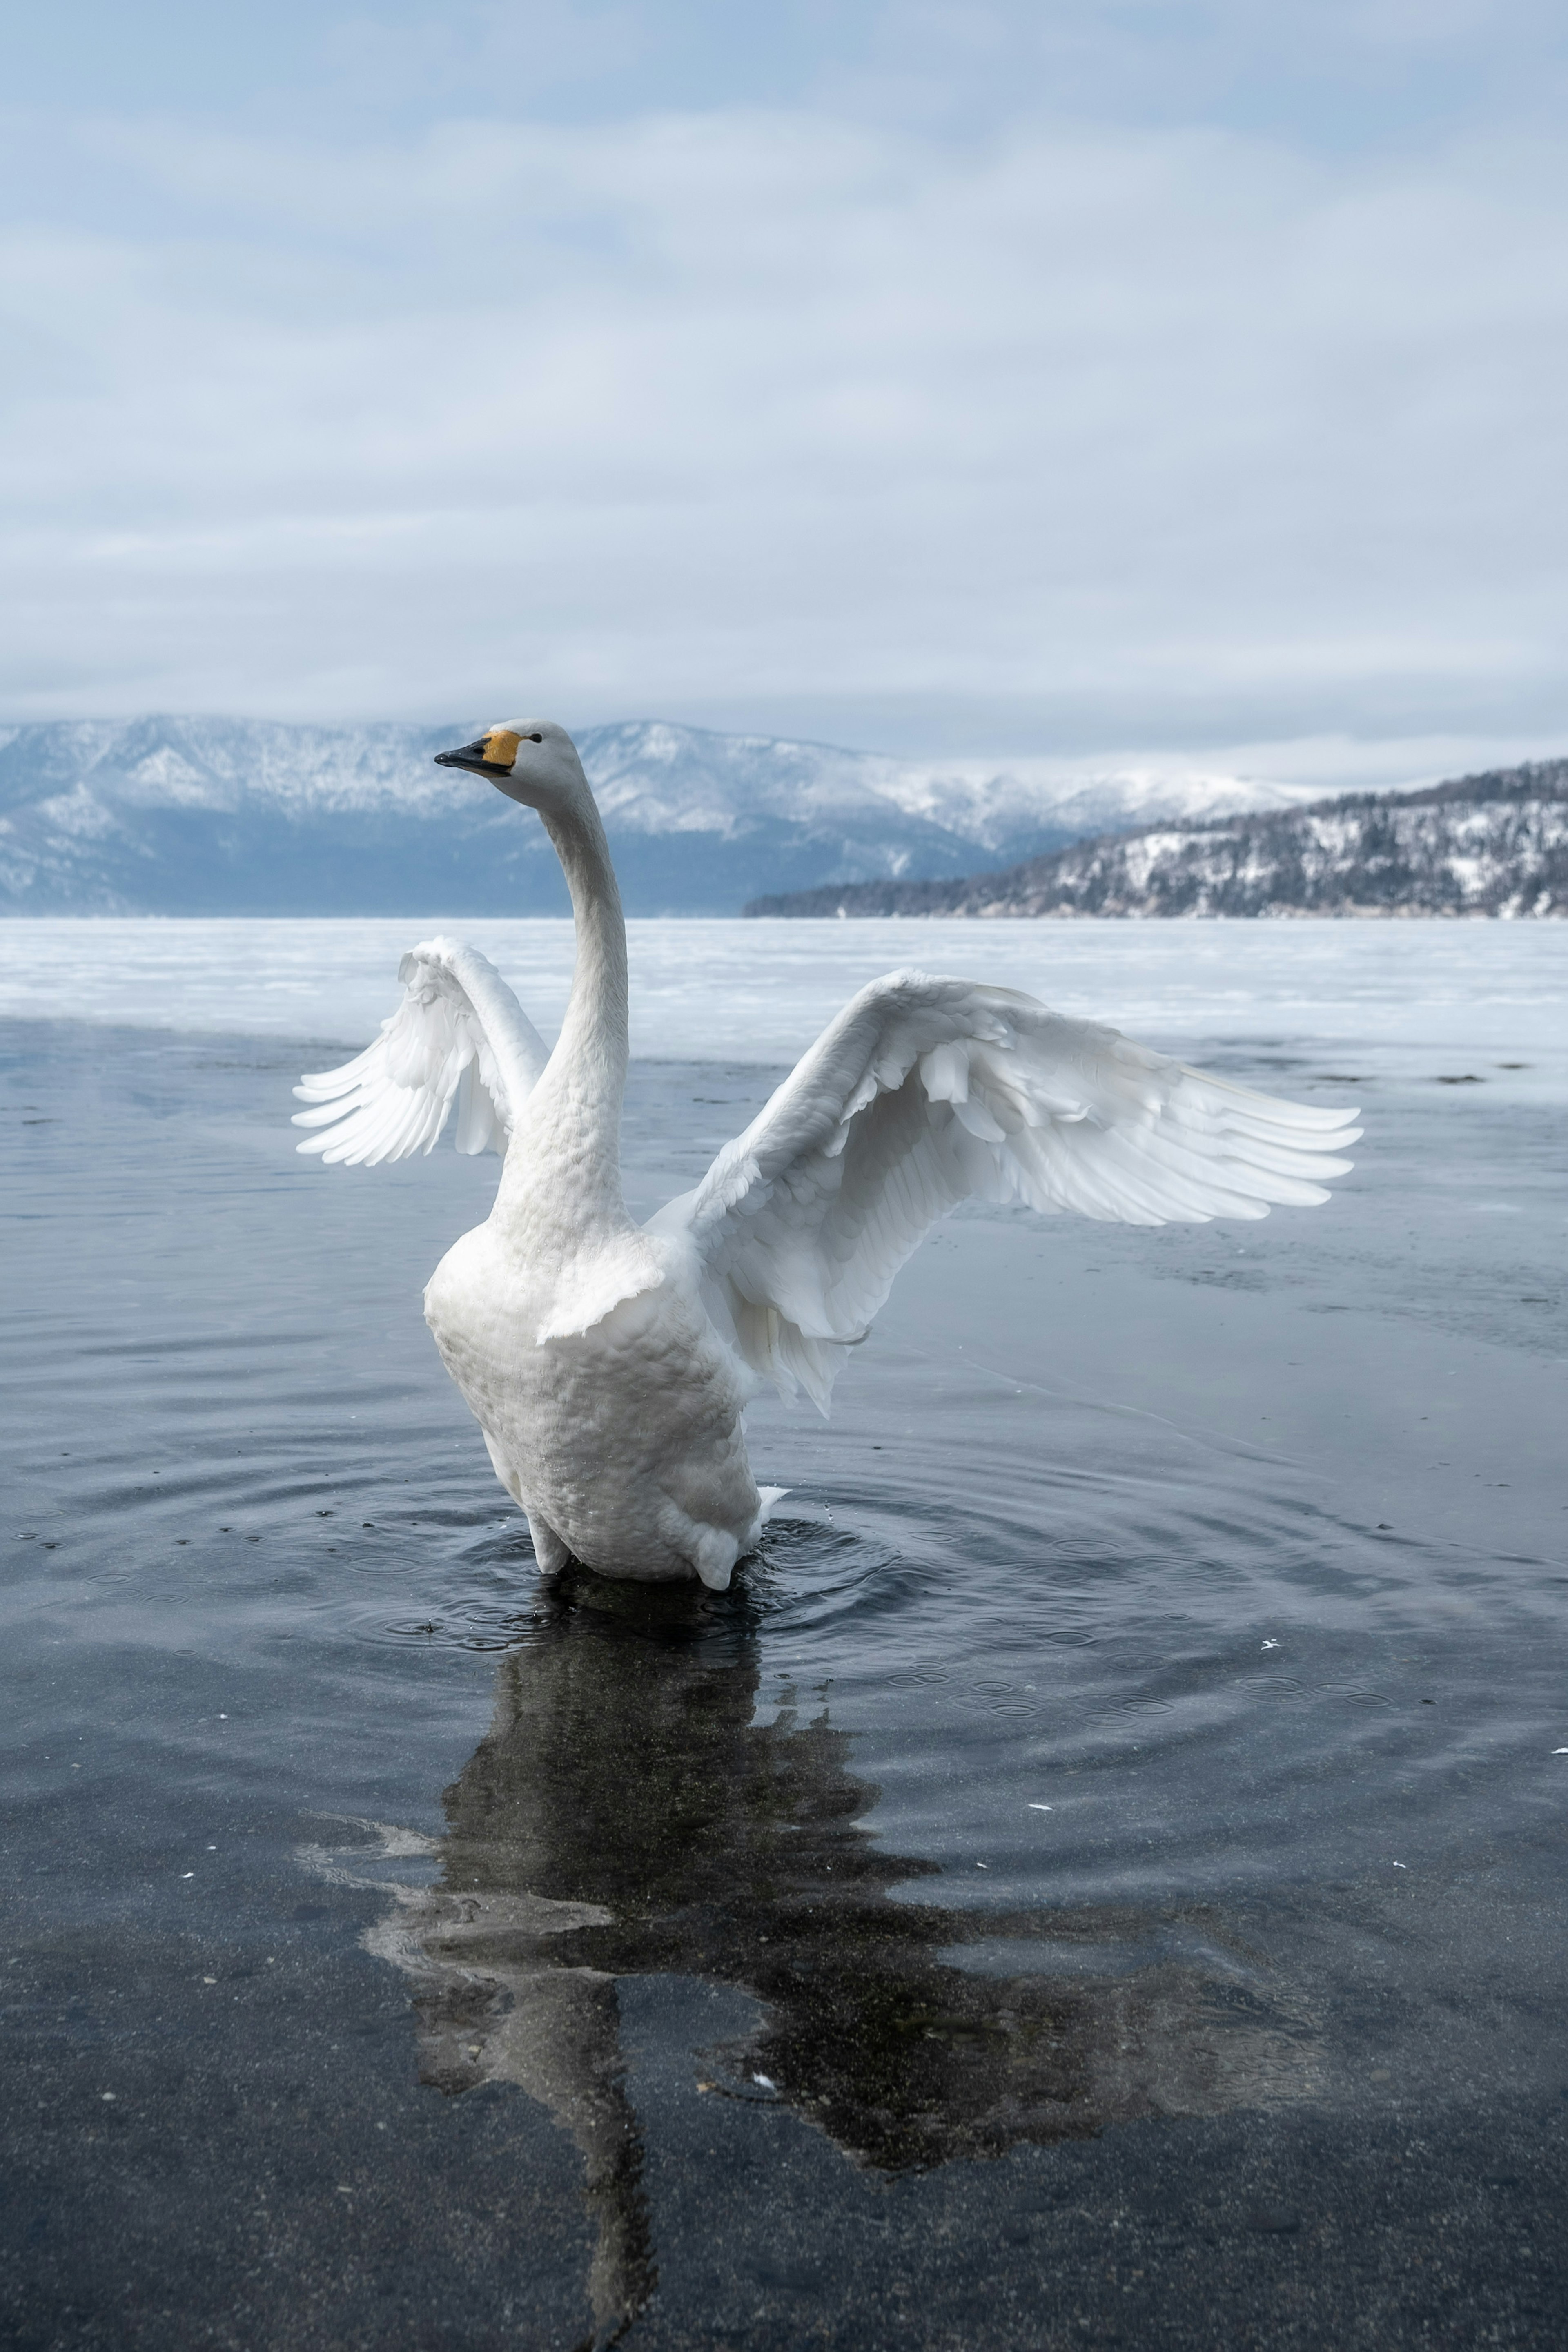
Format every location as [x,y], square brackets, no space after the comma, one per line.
[491,756]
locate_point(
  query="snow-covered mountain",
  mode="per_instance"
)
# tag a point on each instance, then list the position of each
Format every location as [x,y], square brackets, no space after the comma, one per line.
[1489,844]
[241,816]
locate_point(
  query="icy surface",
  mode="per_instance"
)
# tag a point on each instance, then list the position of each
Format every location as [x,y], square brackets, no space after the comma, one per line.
[1426,999]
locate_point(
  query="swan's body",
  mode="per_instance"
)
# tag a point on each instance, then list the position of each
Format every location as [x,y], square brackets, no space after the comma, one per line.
[609,1364]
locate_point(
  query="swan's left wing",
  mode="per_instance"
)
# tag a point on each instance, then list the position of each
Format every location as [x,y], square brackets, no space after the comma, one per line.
[458,1035]
[923,1091]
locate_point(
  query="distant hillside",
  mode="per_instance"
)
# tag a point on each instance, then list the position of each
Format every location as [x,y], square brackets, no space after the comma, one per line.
[215,816]
[1491,844]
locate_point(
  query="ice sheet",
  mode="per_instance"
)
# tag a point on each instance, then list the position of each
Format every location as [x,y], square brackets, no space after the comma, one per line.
[1421,998]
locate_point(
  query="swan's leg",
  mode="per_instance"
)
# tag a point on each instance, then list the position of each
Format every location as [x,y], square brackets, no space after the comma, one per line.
[549,1549]
[714,1556]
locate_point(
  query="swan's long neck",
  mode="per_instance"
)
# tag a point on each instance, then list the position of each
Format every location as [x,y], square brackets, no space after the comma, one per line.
[566,1151]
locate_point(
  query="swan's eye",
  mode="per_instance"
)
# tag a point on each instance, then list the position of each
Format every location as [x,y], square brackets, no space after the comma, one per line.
[535,738]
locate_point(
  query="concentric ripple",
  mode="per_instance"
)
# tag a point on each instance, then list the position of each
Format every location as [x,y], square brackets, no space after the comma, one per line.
[1079,1652]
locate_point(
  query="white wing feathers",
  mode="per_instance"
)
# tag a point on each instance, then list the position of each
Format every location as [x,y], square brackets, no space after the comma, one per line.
[923,1091]
[458,1033]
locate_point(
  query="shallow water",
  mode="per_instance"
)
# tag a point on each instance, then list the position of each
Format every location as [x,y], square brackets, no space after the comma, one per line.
[1099,1876]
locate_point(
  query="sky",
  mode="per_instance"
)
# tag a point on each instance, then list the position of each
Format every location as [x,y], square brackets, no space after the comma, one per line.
[1180,379]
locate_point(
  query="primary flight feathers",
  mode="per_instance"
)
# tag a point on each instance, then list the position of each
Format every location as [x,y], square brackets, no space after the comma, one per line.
[459,1034]
[922,1092]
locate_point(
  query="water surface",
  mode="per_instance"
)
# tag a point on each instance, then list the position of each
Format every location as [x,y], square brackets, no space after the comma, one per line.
[1097,1877]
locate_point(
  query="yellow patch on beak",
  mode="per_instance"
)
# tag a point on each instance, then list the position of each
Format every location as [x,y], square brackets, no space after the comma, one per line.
[501,747]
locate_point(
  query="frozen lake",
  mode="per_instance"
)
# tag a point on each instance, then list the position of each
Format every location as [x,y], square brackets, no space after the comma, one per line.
[1099,1877]
[1409,995]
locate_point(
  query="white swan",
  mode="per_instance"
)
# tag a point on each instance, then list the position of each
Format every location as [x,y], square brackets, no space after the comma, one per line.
[609,1364]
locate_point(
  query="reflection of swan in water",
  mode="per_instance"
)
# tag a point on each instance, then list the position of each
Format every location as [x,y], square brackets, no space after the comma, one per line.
[625,1815]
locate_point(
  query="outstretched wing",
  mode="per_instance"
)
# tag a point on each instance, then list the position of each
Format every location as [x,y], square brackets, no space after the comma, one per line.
[459,1034]
[923,1091]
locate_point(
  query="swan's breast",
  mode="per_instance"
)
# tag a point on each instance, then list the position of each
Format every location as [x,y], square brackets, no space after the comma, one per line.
[602,1425]
[473,1296]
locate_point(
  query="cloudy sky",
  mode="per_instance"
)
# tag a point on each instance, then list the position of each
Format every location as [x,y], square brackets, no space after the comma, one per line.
[1158,379]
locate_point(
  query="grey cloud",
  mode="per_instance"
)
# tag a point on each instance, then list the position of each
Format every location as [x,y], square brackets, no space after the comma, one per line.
[1118,436]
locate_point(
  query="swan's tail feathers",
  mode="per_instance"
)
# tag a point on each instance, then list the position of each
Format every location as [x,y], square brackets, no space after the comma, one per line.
[459,1035]
[766,1497]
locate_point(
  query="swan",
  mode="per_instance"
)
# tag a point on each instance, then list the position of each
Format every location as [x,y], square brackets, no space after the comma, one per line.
[609,1364]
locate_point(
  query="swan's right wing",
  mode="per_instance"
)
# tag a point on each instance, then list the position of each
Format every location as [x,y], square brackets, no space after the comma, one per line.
[926,1091]
[459,1035]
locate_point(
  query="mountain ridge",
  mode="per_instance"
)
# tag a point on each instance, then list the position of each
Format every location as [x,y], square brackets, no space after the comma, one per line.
[214,815]
[1495,844]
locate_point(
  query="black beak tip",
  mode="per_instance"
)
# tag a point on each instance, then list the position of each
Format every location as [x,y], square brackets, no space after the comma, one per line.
[471,756]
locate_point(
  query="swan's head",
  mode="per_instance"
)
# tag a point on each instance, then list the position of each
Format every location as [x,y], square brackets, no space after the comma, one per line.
[530,760]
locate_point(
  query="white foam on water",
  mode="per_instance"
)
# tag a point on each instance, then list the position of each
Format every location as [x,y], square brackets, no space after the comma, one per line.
[1400,996]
